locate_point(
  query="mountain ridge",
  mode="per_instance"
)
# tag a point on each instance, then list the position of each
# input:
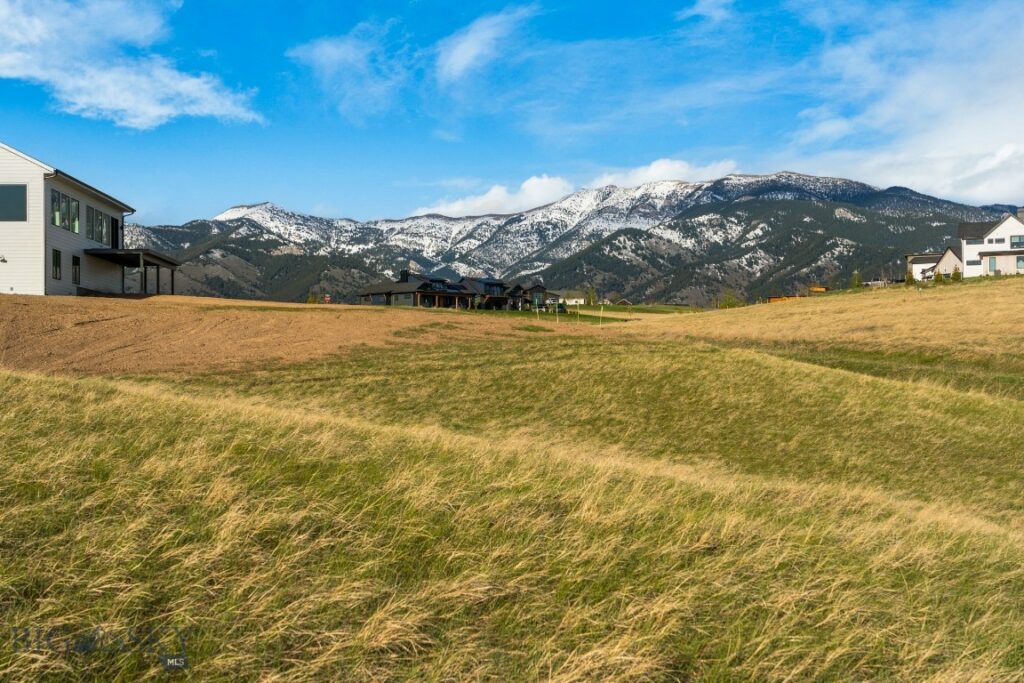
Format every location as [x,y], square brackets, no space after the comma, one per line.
[248,248]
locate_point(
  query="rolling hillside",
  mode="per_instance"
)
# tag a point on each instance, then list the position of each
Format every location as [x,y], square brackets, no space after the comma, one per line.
[822,490]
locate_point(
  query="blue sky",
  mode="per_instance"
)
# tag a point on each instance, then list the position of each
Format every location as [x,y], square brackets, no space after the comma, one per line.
[383,109]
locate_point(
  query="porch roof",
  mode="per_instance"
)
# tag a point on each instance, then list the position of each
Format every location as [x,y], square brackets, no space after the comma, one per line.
[129,258]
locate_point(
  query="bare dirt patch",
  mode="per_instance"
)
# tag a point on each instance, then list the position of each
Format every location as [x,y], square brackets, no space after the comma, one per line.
[163,334]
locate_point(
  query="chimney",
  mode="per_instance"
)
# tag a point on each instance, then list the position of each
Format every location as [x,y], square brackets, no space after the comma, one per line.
[403,276]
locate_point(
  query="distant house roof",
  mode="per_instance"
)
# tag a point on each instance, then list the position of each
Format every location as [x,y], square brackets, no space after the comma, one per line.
[378,288]
[955,248]
[973,231]
[478,285]
[929,257]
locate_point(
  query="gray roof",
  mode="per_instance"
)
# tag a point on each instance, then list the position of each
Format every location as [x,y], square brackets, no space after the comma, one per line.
[973,231]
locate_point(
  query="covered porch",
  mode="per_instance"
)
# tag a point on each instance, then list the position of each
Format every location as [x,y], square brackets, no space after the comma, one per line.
[428,299]
[143,260]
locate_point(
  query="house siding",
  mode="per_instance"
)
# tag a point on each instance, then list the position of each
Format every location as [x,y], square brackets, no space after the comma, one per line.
[97,275]
[947,263]
[1006,264]
[918,268]
[22,243]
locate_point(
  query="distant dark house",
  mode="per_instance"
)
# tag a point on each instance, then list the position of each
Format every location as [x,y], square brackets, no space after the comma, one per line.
[488,292]
[413,289]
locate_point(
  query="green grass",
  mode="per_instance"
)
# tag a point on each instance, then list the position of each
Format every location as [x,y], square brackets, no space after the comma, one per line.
[569,507]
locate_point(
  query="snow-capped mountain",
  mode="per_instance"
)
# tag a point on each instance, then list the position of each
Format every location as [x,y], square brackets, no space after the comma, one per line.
[264,250]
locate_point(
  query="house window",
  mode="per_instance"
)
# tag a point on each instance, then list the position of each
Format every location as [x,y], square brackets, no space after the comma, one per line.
[1016,241]
[999,240]
[97,226]
[975,242]
[13,203]
[1020,263]
[55,208]
[973,262]
[992,264]
[76,270]
[65,212]
[55,263]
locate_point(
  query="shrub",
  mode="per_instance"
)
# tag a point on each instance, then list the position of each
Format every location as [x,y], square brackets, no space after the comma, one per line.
[729,300]
[910,281]
[311,299]
[856,281]
[940,279]
[957,276]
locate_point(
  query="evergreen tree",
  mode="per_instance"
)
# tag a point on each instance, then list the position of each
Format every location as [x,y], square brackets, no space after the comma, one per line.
[910,282]
[957,276]
[939,278]
[856,281]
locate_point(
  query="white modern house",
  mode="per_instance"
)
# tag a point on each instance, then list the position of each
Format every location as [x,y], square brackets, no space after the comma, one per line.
[59,235]
[994,248]
[991,248]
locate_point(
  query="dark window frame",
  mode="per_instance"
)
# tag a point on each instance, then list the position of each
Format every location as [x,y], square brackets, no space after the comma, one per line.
[55,264]
[76,270]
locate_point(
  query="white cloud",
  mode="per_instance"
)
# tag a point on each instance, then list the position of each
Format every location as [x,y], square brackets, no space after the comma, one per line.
[940,113]
[664,169]
[357,71]
[477,44]
[715,11]
[95,57]
[535,191]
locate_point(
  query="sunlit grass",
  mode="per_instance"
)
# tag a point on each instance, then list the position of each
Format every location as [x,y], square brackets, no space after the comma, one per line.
[739,495]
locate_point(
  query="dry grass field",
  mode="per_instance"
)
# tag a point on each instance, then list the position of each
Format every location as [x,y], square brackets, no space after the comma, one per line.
[829,489]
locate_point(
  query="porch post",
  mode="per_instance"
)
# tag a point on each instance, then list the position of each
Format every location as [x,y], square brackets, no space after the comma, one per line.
[172,280]
[158,279]
[142,275]
[122,279]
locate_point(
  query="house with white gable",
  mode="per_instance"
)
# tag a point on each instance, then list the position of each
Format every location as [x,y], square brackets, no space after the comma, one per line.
[993,248]
[990,248]
[59,235]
